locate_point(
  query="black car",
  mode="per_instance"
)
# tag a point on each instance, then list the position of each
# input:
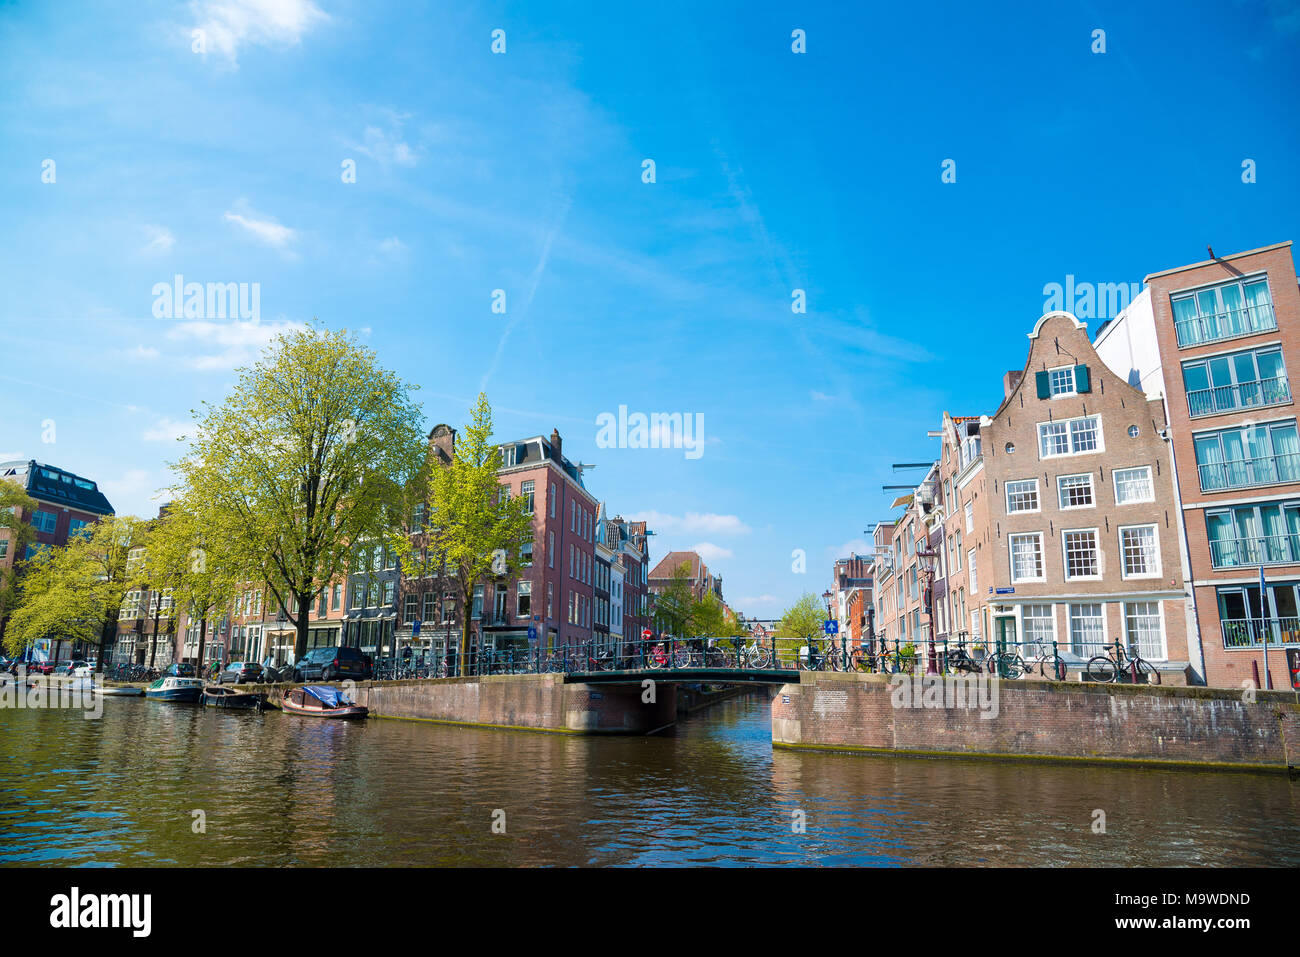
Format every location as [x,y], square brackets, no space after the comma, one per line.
[329,663]
[240,672]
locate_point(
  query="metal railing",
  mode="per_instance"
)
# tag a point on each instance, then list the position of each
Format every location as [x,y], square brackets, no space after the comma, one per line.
[1270,550]
[1244,395]
[1247,473]
[1249,632]
[1228,324]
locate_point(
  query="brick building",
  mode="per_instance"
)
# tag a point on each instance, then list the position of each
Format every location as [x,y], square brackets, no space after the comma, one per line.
[1217,339]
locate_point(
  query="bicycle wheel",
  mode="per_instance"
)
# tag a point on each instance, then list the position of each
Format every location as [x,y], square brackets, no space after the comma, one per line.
[1011,665]
[1054,668]
[1100,668]
[760,659]
[1146,672]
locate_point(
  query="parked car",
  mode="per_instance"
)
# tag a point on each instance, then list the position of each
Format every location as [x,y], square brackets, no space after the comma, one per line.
[240,672]
[181,669]
[329,663]
[39,667]
[79,667]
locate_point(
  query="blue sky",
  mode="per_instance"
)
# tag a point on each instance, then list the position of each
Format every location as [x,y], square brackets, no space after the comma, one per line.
[522,171]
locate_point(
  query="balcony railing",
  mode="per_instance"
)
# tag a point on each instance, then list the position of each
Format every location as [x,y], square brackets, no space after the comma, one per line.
[1225,325]
[1244,395]
[1272,550]
[1250,473]
[1247,632]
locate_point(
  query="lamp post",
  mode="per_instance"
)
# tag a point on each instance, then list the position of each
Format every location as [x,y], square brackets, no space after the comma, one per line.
[826,597]
[930,571]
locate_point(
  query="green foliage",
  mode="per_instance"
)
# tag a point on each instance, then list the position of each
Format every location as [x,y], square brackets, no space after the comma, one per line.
[20,535]
[801,623]
[76,592]
[308,455]
[472,526]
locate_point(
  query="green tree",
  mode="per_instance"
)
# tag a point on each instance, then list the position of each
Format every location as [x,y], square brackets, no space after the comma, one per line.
[15,503]
[77,591]
[475,530]
[302,461]
[801,623]
[675,604]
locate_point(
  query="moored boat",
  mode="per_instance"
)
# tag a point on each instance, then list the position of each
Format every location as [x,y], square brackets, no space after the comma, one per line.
[217,696]
[115,692]
[322,701]
[178,690]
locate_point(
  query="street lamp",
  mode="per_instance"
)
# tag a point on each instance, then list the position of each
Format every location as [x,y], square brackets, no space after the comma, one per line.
[826,597]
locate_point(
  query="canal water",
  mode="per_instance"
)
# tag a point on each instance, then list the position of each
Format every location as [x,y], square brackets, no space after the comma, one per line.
[280,790]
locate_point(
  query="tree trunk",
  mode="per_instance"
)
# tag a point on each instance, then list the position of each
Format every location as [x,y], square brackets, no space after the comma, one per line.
[106,642]
[464,637]
[300,626]
[203,634]
[153,648]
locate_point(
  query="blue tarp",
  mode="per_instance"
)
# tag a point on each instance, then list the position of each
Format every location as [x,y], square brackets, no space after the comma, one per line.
[328,696]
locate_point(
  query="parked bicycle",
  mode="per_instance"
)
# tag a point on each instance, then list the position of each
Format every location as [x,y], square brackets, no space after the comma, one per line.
[1109,667]
[1047,663]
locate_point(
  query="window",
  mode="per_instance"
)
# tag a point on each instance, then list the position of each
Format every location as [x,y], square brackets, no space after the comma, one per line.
[1081,559]
[970,516]
[45,522]
[1144,629]
[388,593]
[335,598]
[1133,485]
[1140,551]
[377,559]
[524,599]
[358,595]
[1022,496]
[76,525]
[970,563]
[1221,312]
[1239,380]
[410,607]
[372,595]
[1245,457]
[550,549]
[1069,437]
[1265,534]
[430,606]
[1075,491]
[1060,381]
[1087,629]
[526,492]
[550,597]
[552,500]
[476,608]
[1026,557]
[526,554]
[1040,628]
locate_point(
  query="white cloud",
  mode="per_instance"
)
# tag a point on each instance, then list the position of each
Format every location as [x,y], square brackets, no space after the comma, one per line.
[147,353]
[858,546]
[692,522]
[228,25]
[386,149]
[130,493]
[820,396]
[226,344]
[710,552]
[749,601]
[160,241]
[266,230]
[166,430]
[393,246]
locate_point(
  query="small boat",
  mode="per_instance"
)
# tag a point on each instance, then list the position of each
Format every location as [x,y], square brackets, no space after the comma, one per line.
[179,690]
[322,701]
[218,696]
[108,692]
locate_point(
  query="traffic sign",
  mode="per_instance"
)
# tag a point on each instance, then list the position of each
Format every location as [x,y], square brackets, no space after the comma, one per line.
[532,633]
[415,628]
[647,634]
[831,626]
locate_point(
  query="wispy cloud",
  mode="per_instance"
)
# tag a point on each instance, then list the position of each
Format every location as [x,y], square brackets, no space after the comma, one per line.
[710,552]
[387,147]
[166,430]
[709,523]
[228,25]
[160,241]
[226,345]
[265,230]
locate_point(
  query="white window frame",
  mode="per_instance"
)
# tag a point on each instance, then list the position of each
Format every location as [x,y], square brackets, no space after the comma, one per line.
[1164,634]
[1060,491]
[1048,641]
[1069,627]
[1051,387]
[970,517]
[1069,436]
[974,577]
[1038,498]
[1151,484]
[1065,554]
[1011,555]
[1155,538]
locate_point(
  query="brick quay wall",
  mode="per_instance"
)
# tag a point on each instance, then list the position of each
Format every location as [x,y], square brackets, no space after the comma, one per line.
[1039,720]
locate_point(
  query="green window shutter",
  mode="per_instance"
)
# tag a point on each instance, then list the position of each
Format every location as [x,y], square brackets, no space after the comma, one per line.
[1081,383]
[1044,390]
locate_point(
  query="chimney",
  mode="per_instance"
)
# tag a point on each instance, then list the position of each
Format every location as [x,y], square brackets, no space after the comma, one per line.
[1010,381]
[557,446]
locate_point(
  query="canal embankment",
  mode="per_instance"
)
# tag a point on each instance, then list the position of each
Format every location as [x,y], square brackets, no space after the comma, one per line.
[1048,720]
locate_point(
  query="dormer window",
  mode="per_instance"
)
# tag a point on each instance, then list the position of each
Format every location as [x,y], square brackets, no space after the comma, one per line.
[1062,381]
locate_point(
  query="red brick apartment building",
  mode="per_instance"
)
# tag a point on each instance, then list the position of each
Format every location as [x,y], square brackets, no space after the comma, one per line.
[1217,339]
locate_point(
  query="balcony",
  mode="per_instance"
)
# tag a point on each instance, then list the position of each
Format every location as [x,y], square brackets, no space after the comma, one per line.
[1230,324]
[1250,473]
[1244,395]
[1247,632]
[1238,552]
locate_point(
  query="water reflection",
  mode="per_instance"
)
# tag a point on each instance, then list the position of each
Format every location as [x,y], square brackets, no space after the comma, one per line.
[280,790]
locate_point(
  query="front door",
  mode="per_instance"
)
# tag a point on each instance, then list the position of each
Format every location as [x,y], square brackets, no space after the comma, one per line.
[1006,634]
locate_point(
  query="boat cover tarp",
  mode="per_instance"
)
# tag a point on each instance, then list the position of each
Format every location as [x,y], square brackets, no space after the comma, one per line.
[330,697]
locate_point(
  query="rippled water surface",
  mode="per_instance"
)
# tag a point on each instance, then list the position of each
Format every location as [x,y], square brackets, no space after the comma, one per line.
[281,790]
